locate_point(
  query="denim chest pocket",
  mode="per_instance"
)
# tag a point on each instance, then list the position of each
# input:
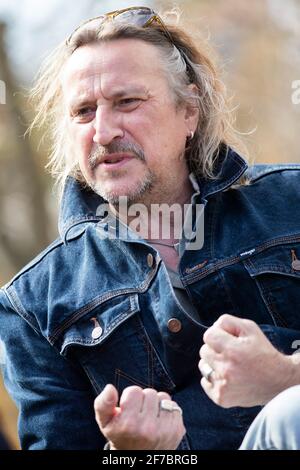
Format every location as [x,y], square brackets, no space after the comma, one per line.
[112,346]
[276,273]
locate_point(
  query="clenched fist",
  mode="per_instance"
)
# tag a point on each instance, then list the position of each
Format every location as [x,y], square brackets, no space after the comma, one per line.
[139,422]
[240,366]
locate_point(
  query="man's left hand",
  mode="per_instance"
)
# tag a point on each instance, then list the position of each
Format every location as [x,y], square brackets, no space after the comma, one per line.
[247,369]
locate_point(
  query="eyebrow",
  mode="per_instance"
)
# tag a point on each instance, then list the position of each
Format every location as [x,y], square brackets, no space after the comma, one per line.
[119,93]
[116,94]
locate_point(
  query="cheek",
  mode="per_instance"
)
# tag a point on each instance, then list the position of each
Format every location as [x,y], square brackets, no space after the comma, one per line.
[82,139]
[143,128]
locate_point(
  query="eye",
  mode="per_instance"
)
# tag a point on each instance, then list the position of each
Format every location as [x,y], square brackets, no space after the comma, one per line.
[129,103]
[85,111]
[84,114]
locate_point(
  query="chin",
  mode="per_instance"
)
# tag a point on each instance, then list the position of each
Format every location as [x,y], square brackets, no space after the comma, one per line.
[134,191]
[132,194]
[112,195]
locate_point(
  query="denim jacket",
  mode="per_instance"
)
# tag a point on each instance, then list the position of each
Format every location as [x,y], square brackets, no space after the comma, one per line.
[90,310]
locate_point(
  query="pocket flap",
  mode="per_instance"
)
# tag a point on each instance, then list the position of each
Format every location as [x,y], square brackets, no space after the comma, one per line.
[95,327]
[275,260]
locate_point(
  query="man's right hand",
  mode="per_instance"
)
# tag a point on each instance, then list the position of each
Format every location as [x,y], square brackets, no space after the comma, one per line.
[138,423]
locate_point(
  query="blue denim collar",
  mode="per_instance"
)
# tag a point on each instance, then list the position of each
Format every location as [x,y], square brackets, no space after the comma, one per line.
[229,168]
[80,204]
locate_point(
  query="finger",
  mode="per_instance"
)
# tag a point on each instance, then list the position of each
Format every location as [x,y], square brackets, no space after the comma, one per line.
[105,405]
[150,403]
[208,354]
[218,339]
[202,366]
[233,325]
[169,408]
[131,401]
[163,396]
[207,387]
[170,425]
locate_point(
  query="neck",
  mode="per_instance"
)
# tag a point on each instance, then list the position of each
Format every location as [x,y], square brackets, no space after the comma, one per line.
[158,216]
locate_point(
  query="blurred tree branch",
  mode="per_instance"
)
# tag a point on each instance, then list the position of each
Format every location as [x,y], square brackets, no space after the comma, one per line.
[20,176]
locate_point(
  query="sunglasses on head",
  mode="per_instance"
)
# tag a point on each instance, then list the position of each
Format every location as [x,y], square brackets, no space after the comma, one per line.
[138,16]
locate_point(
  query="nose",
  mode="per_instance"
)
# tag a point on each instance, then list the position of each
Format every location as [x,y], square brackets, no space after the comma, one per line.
[106,126]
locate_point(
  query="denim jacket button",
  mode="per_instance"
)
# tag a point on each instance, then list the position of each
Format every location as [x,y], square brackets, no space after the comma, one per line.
[174,325]
[97,332]
[150,260]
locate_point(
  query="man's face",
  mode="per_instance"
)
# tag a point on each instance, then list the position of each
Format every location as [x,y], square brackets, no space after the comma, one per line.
[125,129]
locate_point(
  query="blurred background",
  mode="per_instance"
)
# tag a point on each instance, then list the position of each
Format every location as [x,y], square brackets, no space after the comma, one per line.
[257,44]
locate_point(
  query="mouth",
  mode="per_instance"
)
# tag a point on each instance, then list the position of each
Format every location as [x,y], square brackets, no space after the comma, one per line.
[115,160]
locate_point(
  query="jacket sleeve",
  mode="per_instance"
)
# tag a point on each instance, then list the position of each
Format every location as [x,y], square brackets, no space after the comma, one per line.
[54,398]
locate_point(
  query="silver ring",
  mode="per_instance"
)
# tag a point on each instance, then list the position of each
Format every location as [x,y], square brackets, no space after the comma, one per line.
[207,371]
[168,405]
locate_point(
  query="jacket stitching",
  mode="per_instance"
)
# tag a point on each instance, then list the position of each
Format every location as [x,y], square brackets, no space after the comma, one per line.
[220,264]
[86,342]
[18,307]
[120,373]
[100,300]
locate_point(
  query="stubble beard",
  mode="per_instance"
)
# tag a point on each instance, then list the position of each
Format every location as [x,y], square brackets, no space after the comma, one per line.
[141,190]
[137,194]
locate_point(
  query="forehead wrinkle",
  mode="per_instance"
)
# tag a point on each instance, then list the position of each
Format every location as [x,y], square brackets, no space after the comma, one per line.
[83,92]
[93,76]
[93,87]
[87,93]
[118,92]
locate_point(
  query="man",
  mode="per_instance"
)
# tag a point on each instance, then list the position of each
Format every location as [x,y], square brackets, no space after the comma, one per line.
[115,308]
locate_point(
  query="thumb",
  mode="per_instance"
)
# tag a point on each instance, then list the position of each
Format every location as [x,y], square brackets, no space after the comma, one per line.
[105,405]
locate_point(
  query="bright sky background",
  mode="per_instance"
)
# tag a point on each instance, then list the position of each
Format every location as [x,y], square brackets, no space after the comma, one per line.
[35,27]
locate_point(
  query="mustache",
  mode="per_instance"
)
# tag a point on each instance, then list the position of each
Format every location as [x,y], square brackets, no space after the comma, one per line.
[99,152]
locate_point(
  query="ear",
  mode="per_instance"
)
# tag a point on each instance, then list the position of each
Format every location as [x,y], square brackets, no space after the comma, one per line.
[192,109]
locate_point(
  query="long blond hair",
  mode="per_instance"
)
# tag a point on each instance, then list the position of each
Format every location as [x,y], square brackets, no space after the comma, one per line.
[183,62]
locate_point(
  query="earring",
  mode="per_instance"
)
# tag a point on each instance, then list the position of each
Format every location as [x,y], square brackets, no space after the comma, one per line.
[191,135]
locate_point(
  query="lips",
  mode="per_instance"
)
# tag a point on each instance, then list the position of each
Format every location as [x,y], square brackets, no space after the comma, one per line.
[116,160]
[113,160]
